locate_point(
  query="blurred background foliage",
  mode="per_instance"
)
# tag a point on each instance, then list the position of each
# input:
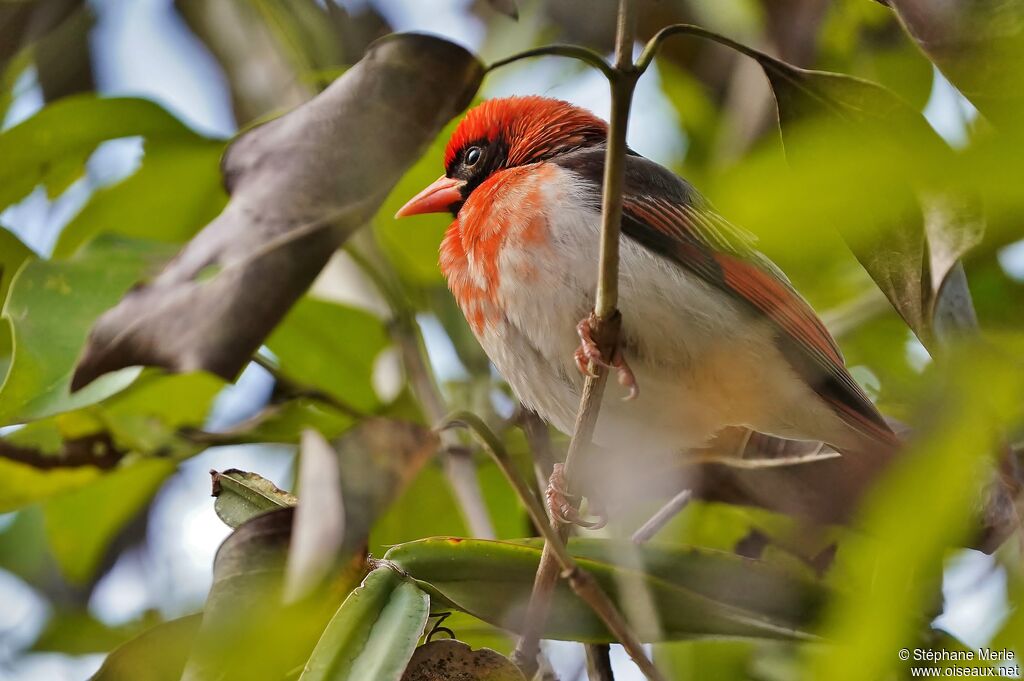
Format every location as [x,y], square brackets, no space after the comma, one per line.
[114,117]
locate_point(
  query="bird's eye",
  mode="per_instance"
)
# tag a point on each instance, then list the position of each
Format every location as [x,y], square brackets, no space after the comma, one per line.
[473,155]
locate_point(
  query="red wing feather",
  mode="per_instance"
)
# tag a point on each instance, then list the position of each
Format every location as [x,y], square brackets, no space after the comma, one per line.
[705,243]
[779,302]
[783,305]
[666,215]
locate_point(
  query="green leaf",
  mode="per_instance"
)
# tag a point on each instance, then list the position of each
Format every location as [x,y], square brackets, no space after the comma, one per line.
[176,191]
[284,423]
[52,146]
[24,484]
[65,452]
[925,505]
[695,592]
[707,660]
[23,550]
[76,632]
[12,254]
[241,496]
[155,655]
[331,347]
[426,508]
[81,524]
[147,417]
[977,45]
[374,633]
[50,308]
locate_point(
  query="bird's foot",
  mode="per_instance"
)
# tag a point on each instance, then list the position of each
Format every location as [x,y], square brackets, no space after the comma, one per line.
[560,504]
[588,352]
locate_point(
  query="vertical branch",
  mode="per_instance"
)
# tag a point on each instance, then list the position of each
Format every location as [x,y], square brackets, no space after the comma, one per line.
[662,517]
[599,663]
[581,581]
[605,320]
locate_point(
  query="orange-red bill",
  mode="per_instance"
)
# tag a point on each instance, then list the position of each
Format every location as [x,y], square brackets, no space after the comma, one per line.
[437,198]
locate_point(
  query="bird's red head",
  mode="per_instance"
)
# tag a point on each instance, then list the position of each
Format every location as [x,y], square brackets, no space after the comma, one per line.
[504,133]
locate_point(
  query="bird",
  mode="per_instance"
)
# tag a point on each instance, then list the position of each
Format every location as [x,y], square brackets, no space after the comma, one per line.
[714,336]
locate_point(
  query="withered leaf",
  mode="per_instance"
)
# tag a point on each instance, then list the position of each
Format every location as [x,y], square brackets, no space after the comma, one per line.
[451,660]
[300,185]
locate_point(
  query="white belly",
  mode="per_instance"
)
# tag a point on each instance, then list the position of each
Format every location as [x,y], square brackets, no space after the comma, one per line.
[701,363]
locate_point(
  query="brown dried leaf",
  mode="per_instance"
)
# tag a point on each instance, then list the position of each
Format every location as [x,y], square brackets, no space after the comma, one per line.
[451,660]
[300,185]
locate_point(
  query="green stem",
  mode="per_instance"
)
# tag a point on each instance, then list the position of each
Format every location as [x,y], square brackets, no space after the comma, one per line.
[654,44]
[571,51]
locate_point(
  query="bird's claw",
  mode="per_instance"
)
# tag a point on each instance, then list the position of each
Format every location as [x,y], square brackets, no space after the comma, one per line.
[562,509]
[588,353]
[626,377]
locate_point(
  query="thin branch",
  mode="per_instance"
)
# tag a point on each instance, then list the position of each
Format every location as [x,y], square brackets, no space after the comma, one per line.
[599,663]
[755,463]
[571,51]
[582,582]
[654,44]
[661,518]
[605,321]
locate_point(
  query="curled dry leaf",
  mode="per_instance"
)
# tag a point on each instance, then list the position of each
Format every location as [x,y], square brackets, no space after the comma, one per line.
[300,185]
[242,495]
[451,660]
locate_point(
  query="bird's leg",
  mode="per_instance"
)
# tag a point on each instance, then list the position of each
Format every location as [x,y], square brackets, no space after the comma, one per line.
[560,504]
[590,352]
